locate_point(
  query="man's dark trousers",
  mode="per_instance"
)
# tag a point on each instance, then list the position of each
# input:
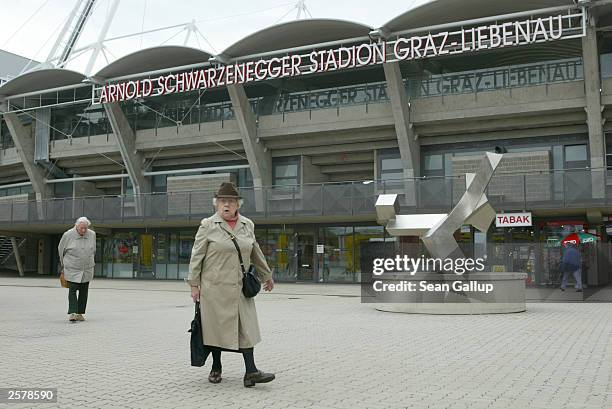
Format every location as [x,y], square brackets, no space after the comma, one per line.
[77,304]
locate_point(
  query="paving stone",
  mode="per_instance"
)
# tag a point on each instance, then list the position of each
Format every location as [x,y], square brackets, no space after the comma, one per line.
[327,352]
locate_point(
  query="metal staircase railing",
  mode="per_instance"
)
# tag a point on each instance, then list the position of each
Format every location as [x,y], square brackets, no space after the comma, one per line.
[6,248]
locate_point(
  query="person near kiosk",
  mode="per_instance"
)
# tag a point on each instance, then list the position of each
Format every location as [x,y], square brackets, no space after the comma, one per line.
[571,263]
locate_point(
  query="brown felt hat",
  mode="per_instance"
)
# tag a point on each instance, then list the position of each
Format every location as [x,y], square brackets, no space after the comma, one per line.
[228,189]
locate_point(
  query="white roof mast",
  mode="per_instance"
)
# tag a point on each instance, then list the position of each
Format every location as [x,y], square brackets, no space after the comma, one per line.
[70,33]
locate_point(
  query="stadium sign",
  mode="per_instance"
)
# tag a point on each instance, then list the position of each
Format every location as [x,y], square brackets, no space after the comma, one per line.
[464,40]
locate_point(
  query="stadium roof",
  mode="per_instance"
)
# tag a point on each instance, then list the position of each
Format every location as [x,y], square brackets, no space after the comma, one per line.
[293,34]
[448,11]
[41,79]
[151,59]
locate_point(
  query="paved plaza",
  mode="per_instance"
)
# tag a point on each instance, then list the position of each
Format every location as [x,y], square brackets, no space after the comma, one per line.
[327,349]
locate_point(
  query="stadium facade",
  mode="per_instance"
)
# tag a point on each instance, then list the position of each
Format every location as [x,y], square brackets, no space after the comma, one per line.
[313,119]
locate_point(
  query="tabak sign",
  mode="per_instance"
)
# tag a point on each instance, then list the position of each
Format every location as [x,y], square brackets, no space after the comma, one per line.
[464,40]
[513,220]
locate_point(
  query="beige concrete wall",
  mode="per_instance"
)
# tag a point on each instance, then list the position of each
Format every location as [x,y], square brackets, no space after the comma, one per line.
[196,191]
[187,135]
[311,173]
[492,103]
[76,147]
[9,157]
[82,188]
[510,188]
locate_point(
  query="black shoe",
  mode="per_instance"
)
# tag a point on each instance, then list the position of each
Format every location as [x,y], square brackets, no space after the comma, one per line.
[579,290]
[250,379]
[563,289]
[215,376]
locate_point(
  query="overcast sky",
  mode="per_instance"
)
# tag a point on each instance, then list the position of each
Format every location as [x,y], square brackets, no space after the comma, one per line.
[30,27]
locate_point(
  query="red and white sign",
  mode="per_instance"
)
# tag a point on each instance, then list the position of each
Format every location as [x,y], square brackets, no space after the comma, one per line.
[513,219]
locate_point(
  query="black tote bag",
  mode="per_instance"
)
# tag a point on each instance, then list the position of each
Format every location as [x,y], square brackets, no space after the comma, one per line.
[199,352]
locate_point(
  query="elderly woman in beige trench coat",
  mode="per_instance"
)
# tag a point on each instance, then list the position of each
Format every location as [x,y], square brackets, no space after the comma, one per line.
[229,319]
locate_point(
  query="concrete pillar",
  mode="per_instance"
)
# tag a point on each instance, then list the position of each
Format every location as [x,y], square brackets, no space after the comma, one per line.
[409,147]
[25,148]
[592,82]
[260,160]
[17,256]
[44,256]
[132,159]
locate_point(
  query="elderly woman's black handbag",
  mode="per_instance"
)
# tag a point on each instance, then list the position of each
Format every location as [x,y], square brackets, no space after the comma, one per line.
[199,352]
[250,283]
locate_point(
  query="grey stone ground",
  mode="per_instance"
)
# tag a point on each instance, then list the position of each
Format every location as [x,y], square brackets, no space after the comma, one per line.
[327,349]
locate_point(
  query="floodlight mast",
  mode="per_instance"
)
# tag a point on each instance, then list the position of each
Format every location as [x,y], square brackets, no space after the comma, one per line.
[70,33]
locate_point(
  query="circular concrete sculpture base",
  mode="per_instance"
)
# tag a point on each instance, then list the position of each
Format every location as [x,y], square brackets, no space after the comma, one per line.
[507,296]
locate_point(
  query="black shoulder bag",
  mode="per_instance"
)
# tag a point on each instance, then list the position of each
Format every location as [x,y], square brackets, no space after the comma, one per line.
[250,283]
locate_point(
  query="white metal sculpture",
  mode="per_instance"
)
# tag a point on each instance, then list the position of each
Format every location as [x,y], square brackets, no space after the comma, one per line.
[437,230]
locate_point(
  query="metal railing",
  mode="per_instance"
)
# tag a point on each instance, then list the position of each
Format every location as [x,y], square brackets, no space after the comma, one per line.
[516,191]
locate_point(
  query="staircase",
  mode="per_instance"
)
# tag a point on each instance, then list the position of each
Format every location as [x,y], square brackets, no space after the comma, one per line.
[6,249]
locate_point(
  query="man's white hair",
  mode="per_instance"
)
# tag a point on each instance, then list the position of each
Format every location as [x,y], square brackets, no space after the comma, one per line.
[82,220]
[240,201]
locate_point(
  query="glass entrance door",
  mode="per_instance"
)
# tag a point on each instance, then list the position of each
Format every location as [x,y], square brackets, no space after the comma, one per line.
[304,254]
[145,256]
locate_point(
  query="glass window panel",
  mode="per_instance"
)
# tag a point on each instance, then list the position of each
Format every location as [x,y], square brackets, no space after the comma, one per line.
[337,261]
[159,183]
[161,256]
[286,182]
[575,153]
[369,243]
[434,162]
[391,164]
[278,249]
[606,65]
[173,256]
[123,253]
[448,164]
[162,248]
[63,189]
[186,239]
[392,175]
[557,157]
[286,170]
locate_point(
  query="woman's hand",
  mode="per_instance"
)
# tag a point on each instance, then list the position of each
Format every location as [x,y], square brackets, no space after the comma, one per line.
[195,294]
[269,285]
